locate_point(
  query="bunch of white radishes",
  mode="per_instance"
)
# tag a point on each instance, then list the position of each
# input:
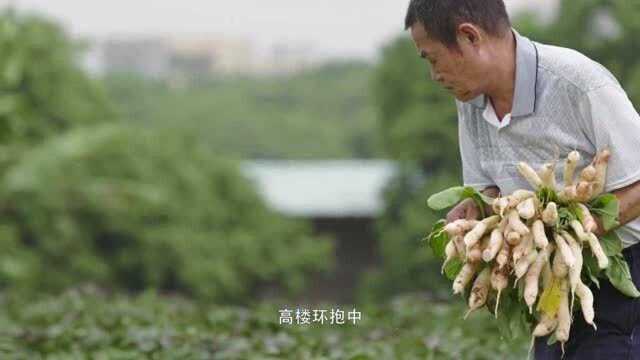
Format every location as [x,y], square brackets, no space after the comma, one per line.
[526,240]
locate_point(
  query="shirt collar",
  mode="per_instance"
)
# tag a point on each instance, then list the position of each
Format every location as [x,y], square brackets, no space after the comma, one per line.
[524,94]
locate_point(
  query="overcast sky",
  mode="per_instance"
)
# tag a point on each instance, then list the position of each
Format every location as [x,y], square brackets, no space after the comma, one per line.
[326,27]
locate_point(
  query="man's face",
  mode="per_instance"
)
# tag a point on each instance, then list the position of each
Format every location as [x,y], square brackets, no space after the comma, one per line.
[457,70]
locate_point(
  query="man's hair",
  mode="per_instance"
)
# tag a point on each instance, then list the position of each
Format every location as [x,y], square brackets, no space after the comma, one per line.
[441,18]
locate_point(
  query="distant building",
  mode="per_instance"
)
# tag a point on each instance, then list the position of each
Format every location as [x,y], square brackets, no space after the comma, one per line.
[150,57]
[340,198]
[181,58]
[208,55]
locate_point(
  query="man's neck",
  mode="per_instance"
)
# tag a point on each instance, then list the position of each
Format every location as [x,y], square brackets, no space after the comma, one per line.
[503,75]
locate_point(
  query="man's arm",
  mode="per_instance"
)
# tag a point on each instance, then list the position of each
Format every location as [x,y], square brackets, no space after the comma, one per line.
[629,201]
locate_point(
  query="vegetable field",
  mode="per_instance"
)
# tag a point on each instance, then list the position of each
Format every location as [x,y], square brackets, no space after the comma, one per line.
[87,324]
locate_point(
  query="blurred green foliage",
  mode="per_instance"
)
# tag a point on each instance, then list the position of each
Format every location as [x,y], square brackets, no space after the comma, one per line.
[325,112]
[85,324]
[135,186]
[42,90]
[144,209]
[85,198]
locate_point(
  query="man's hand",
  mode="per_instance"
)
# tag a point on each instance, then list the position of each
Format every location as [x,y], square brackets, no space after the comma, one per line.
[599,231]
[467,208]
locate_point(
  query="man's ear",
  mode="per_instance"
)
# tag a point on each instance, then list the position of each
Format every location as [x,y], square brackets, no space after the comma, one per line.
[469,33]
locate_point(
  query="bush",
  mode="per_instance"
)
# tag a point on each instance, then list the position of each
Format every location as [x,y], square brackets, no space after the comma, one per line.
[408,263]
[131,209]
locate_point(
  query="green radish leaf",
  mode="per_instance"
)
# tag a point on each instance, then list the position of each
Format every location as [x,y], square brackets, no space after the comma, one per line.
[452,268]
[590,263]
[518,316]
[505,311]
[565,216]
[451,196]
[512,316]
[521,289]
[547,195]
[619,276]
[519,322]
[611,243]
[438,238]
[607,207]
[577,211]
[445,198]
[552,339]
[470,192]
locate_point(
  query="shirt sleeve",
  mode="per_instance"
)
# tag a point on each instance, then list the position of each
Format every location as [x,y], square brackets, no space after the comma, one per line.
[615,124]
[472,172]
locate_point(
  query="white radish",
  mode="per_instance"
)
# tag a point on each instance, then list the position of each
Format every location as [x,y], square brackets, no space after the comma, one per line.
[550,214]
[468,224]
[460,226]
[503,225]
[515,222]
[527,209]
[601,160]
[574,272]
[503,255]
[596,249]
[546,325]
[479,290]
[539,236]
[532,278]
[547,273]
[495,243]
[564,315]
[588,174]
[522,194]
[479,229]
[453,228]
[570,167]
[499,281]
[460,247]
[474,253]
[523,264]
[517,197]
[586,303]
[583,191]
[513,238]
[529,174]
[464,277]
[569,193]
[579,230]
[548,176]
[523,248]
[500,204]
[559,268]
[451,252]
[565,251]
[588,222]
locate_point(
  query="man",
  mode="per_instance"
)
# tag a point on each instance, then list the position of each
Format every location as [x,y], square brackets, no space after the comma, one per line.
[520,100]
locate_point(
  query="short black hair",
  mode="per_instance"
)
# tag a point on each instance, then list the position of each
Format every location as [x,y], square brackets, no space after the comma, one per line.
[441,18]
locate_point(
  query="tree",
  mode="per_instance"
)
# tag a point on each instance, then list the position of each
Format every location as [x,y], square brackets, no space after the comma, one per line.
[131,209]
[43,90]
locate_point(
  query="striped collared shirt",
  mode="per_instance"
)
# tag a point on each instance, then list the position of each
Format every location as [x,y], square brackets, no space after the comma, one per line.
[563,101]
